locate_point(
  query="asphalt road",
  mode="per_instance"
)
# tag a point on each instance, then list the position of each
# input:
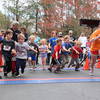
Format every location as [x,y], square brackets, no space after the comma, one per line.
[58,91]
[53,91]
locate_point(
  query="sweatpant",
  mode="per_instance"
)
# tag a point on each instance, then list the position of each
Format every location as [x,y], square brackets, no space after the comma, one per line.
[20,63]
[7,64]
[65,59]
[72,62]
[13,68]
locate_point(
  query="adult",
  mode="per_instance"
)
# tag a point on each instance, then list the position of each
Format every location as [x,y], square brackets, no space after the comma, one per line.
[52,43]
[72,37]
[15,29]
[83,40]
[52,40]
[24,31]
[70,33]
[94,48]
[60,36]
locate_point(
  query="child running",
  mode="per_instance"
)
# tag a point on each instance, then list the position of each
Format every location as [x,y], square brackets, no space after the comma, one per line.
[66,45]
[75,52]
[21,56]
[56,61]
[31,53]
[43,52]
[8,48]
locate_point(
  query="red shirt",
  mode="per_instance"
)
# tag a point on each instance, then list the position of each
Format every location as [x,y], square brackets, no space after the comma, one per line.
[57,48]
[0,56]
[88,44]
[73,52]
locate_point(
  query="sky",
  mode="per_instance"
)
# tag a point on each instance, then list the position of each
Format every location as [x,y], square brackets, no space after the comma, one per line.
[2,3]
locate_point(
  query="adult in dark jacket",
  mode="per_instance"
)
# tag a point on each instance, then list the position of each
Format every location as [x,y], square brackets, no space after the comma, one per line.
[15,29]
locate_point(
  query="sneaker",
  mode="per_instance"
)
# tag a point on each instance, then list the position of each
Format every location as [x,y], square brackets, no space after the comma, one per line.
[50,69]
[91,74]
[0,77]
[5,74]
[76,69]
[18,75]
[21,74]
[13,75]
[57,70]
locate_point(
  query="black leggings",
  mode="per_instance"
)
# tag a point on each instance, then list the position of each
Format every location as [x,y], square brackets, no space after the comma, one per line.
[7,64]
[20,63]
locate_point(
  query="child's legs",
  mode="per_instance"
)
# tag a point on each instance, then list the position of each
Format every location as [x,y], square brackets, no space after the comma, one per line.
[13,67]
[48,58]
[1,59]
[77,63]
[33,60]
[71,62]
[37,56]
[43,60]
[65,59]
[23,65]
[18,64]
[7,65]
[29,60]
[52,63]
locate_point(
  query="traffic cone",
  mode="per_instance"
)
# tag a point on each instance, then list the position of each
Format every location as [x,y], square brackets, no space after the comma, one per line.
[98,63]
[86,66]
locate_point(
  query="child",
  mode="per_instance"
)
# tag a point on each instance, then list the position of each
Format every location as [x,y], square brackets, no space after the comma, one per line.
[65,50]
[31,53]
[8,48]
[1,62]
[75,52]
[88,44]
[43,52]
[56,61]
[21,56]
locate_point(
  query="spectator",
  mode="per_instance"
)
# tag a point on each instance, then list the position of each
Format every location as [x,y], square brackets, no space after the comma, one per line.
[83,40]
[15,29]
[24,31]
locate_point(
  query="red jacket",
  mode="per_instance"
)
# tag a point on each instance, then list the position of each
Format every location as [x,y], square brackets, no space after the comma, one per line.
[73,52]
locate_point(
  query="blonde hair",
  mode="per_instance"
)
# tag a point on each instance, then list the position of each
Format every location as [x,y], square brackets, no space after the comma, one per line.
[78,43]
[21,35]
[31,37]
[43,40]
[66,37]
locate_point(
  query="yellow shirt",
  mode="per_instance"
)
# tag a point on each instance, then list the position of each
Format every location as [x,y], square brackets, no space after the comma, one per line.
[95,45]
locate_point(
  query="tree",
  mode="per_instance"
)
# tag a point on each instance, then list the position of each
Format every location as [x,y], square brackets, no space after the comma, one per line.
[47,15]
[4,21]
[15,8]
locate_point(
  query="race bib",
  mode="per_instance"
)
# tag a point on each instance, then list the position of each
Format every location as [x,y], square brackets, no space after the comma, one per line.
[6,48]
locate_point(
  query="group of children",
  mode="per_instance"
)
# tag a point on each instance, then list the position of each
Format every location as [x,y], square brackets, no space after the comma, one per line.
[16,54]
[64,50]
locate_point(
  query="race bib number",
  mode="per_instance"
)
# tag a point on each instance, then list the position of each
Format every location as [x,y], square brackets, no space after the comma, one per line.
[6,48]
